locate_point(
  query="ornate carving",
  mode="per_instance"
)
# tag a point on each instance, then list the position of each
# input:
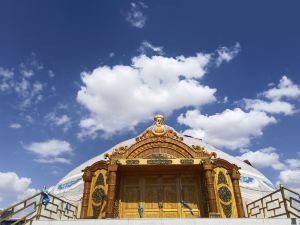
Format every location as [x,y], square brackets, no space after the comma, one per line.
[117,152]
[98,196]
[227,209]
[159,162]
[224,194]
[87,176]
[203,151]
[132,162]
[116,205]
[159,145]
[159,156]
[198,148]
[159,142]
[173,134]
[235,176]
[222,178]
[168,133]
[209,180]
[224,190]
[96,211]
[225,164]
[100,180]
[187,161]
[111,192]
[214,215]
[145,135]
[158,127]
[96,166]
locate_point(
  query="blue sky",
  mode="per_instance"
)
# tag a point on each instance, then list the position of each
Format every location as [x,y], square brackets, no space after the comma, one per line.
[78,77]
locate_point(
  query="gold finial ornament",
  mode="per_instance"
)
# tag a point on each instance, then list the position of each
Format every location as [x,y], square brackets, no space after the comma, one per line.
[158,126]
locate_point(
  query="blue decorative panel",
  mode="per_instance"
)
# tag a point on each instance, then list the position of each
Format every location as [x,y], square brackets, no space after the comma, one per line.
[247,180]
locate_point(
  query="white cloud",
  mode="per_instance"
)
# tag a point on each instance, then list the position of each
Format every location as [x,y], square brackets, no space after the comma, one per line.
[53,160]
[266,157]
[225,99]
[111,54]
[290,175]
[63,120]
[12,186]
[231,129]
[23,83]
[29,92]
[26,72]
[15,125]
[145,45]
[122,96]
[135,16]
[6,76]
[290,178]
[293,163]
[6,73]
[51,74]
[274,107]
[50,151]
[227,53]
[27,193]
[285,88]
[29,119]
[30,66]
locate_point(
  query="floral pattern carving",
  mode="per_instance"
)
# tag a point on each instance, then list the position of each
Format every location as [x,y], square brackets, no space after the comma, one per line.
[227,209]
[222,178]
[224,194]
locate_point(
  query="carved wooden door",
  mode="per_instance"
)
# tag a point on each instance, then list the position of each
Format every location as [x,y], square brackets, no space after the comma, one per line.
[160,196]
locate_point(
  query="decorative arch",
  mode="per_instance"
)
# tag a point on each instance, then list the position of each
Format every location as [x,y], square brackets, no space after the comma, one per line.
[225,164]
[169,144]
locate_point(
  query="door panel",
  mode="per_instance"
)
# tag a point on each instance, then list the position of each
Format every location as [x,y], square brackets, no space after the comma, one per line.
[170,197]
[150,201]
[131,200]
[190,195]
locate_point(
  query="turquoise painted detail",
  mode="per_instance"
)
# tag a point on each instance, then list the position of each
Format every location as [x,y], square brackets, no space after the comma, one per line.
[247,180]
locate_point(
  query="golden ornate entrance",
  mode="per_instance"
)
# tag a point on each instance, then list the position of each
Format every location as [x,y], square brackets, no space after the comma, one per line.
[160,176]
[160,195]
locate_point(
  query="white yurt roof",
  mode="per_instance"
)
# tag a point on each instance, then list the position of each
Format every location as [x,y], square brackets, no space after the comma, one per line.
[253,183]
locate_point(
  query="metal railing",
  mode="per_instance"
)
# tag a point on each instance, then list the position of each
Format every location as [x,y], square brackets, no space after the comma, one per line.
[282,203]
[33,208]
